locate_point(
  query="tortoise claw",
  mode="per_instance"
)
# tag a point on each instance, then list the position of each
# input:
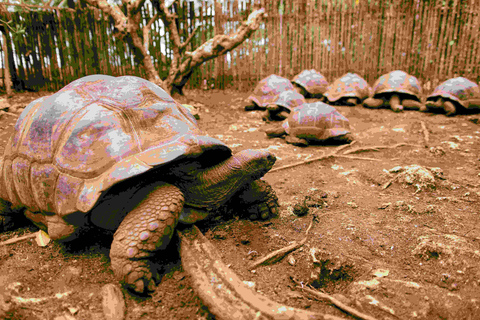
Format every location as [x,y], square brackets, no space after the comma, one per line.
[261,200]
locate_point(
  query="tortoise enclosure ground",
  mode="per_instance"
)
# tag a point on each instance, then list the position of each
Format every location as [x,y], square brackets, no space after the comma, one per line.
[392,253]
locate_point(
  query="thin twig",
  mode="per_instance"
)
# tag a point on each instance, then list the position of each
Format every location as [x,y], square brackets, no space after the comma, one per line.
[355,158]
[18,239]
[280,253]
[336,302]
[425,133]
[375,148]
[332,154]
[360,149]
[8,113]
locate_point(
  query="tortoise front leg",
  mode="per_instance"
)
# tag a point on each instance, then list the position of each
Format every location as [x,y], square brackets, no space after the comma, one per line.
[296,141]
[395,103]
[258,199]
[373,103]
[450,108]
[411,104]
[145,230]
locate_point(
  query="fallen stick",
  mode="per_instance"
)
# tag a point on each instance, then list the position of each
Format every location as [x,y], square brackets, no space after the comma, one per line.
[425,133]
[223,292]
[337,303]
[8,113]
[277,255]
[375,148]
[332,154]
[18,239]
[355,158]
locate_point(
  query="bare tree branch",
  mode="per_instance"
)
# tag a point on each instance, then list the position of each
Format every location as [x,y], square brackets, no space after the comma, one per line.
[190,37]
[114,11]
[146,31]
[221,44]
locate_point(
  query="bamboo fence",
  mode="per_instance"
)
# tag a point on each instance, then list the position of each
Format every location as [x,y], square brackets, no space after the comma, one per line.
[433,40]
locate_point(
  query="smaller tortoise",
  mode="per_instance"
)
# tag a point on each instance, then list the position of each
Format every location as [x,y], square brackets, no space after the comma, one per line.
[349,90]
[397,90]
[285,102]
[315,122]
[310,84]
[454,96]
[267,91]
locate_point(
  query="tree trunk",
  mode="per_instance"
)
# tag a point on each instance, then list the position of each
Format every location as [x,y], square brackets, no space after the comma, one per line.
[183,62]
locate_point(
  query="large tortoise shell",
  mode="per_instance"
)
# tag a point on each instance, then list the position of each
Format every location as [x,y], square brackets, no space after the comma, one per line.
[267,90]
[312,81]
[69,147]
[316,121]
[350,85]
[398,82]
[460,90]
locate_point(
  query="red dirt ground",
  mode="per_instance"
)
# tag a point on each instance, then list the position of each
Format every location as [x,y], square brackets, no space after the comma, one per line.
[391,253]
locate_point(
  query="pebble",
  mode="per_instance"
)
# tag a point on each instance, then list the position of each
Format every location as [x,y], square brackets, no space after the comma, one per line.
[113,302]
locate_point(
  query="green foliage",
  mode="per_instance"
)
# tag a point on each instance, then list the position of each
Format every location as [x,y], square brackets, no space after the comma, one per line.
[17,31]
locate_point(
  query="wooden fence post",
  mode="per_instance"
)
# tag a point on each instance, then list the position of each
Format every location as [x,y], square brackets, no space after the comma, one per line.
[6,74]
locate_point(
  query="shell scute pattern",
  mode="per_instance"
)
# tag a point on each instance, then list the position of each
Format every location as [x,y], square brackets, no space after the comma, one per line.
[398,81]
[456,89]
[96,131]
[268,89]
[312,81]
[350,85]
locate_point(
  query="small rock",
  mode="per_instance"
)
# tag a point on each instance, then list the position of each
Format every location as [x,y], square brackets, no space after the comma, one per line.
[380,273]
[73,310]
[291,260]
[352,204]
[300,209]
[113,302]
[384,205]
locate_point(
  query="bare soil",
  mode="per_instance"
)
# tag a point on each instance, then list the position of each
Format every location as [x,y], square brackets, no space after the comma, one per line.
[390,250]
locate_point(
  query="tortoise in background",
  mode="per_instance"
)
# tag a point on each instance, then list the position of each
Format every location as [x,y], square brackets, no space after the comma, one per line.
[310,84]
[396,90]
[315,122]
[267,91]
[457,95]
[283,105]
[348,90]
[121,154]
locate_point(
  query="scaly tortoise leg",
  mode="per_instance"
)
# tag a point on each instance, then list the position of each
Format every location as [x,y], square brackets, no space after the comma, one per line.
[296,141]
[259,200]
[395,103]
[373,103]
[411,104]
[450,108]
[145,230]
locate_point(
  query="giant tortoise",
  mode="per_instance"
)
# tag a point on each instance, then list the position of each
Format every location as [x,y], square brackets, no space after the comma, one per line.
[310,83]
[267,91]
[457,95]
[348,90]
[315,122]
[396,90]
[121,154]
